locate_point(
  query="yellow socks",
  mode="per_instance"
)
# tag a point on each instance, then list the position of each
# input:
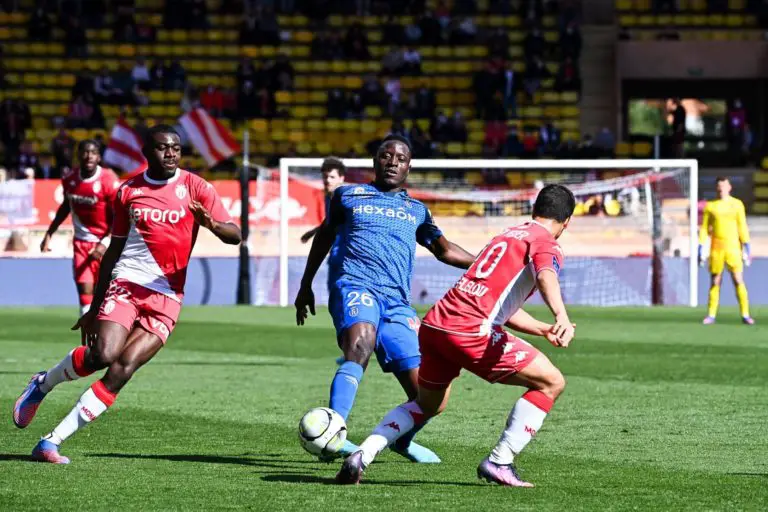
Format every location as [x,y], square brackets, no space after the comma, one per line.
[741,293]
[714,300]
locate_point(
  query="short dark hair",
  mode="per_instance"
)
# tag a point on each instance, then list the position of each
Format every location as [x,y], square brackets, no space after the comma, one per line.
[81,145]
[159,128]
[331,163]
[396,138]
[554,202]
[721,178]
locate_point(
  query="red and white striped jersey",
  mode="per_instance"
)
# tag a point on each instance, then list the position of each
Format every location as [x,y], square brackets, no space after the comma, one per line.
[90,200]
[161,230]
[499,281]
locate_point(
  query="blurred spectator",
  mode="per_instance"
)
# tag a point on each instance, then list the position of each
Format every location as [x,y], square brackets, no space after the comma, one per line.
[124,27]
[141,126]
[422,103]
[249,34]
[412,61]
[199,15]
[495,133]
[176,76]
[513,147]
[190,100]
[104,88]
[336,105]
[534,45]
[392,89]
[458,128]
[281,74]
[535,72]
[605,142]
[398,128]
[664,6]
[420,143]
[39,27]
[587,149]
[125,86]
[229,103]
[463,31]
[532,11]
[549,139]
[372,93]
[503,7]
[443,13]
[355,107]
[431,30]
[530,144]
[392,63]
[392,33]
[159,75]
[678,127]
[737,120]
[75,39]
[62,148]
[145,33]
[28,157]
[509,91]
[247,72]
[80,113]
[356,43]
[570,41]
[140,74]
[15,119]
[483,85]
[498,44]
[212,100]
[440,129]
[46,168]
[568,77]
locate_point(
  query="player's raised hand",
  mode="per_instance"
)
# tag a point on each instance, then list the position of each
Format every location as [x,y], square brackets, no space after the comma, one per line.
[305,299]
[44,244]
[202,215]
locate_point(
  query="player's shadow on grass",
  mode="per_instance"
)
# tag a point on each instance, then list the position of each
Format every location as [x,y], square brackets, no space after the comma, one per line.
[208,459]
[16,456]
[294,478]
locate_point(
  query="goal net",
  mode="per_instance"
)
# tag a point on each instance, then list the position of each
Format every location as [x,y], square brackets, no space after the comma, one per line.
[630,241]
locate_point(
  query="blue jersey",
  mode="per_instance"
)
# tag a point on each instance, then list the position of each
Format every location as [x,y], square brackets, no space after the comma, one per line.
[376,238]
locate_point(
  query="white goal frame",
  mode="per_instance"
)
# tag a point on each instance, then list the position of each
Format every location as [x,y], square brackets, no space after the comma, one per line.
[693,194]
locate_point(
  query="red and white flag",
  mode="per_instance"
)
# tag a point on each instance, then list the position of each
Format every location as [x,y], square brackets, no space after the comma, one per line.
[124,148]
[209,137]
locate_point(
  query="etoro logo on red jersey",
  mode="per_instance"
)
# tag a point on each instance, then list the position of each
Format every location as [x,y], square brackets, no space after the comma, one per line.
[157,215]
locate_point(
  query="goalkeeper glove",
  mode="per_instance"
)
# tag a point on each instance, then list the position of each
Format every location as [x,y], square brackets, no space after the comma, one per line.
[746,254]
[701,258]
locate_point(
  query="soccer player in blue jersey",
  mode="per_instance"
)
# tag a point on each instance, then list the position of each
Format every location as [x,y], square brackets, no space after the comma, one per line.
[376,227]
[333,171]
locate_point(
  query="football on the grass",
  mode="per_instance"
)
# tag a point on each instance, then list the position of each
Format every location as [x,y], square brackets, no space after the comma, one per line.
[322,431]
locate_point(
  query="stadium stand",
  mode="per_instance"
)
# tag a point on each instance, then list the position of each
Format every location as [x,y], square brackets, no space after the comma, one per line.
[270,74]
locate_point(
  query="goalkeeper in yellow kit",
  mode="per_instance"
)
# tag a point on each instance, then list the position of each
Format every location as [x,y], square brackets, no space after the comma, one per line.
[725,223]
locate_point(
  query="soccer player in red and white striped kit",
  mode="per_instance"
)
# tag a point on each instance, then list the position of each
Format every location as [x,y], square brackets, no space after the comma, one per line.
[465,329]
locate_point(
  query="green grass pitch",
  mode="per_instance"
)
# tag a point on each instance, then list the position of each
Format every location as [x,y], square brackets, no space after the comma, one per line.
[660,413]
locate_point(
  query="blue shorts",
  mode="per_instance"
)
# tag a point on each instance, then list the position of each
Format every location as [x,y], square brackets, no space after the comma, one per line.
[397,324]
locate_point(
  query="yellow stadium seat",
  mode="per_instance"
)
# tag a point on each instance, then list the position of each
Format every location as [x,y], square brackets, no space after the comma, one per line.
[474,177]
[514,179]
[416,178]
[433,177]
[623,149]
[641,149]
[304,148]
[259,125]
[623,5]
[453,148]
[283,97]
[628,20]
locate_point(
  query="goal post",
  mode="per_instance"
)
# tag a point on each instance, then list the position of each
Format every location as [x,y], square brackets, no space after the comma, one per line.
[637,221]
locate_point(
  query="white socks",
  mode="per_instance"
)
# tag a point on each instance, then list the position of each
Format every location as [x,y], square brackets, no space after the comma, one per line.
[90,406]
[523,423]
[398,422]
[84,309]
[63,371]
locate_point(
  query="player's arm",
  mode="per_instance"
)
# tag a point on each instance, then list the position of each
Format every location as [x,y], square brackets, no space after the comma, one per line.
[61,215]
[523,322]
[451,253]
[210,213]
[306,237]
[706,221]
[741,226]
[430,236]
[548,285]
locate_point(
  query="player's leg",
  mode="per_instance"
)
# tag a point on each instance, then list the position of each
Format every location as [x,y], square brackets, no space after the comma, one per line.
[86,273]
[103,349]
[356,315]
[140,347]
[397,351]
[435,376]
[85,296]
[736,267]
[716,267]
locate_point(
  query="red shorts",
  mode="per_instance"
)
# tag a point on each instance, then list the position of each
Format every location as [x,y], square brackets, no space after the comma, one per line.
[492,357]
[128,303]
[85,269]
